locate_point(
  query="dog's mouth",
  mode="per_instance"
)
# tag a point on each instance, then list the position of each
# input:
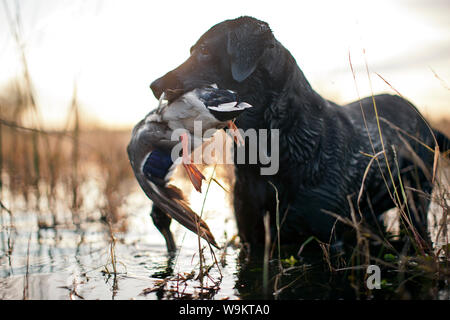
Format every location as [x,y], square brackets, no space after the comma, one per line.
[173,94]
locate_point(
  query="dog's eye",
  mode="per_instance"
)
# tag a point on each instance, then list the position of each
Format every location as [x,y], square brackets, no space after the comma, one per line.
[204,51]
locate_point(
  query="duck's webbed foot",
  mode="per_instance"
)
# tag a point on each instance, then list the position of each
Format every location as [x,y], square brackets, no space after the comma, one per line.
[235,133]
[192,171]
[162,222]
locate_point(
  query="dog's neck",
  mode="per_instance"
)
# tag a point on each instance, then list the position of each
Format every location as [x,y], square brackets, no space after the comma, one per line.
[289,104]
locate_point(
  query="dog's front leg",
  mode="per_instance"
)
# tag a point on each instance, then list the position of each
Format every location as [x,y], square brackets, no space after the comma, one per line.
[250,196]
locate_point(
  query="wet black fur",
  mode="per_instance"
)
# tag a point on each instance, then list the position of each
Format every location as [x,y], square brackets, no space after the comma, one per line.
[321,144]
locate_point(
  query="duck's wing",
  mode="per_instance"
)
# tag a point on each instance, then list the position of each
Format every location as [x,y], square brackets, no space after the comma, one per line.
[228,111]
[223,104]
[191,220]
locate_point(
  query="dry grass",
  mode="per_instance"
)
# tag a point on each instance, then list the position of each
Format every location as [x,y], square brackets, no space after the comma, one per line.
[40,169]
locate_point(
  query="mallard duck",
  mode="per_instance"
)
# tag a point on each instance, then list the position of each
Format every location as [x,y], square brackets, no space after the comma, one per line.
[149,152]
[215,108]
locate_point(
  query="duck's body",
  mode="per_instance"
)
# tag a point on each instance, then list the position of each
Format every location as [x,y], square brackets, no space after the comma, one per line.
[150,151]
[213,107]
[149,154]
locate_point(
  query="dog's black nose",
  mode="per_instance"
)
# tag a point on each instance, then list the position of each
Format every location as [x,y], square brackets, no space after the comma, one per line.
[157,87]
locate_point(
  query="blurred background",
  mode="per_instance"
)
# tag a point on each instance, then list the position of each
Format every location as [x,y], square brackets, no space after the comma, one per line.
[112,50]
[74,79]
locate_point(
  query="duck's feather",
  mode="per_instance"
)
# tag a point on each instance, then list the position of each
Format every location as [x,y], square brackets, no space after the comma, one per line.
[170,199]
[215,97]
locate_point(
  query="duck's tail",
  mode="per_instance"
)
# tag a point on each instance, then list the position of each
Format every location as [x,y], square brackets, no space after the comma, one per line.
[177,207]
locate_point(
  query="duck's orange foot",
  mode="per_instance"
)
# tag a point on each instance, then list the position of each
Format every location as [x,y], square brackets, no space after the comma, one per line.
[194,174]
[235,133]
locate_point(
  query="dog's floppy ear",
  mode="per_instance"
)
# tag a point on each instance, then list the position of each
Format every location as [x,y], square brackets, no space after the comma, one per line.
[245,48]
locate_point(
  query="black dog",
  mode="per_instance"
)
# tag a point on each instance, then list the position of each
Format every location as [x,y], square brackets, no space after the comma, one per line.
[324,148]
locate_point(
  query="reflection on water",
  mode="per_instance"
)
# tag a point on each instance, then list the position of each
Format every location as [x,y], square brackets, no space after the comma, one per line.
[75,263]
[64,260]
[69,263]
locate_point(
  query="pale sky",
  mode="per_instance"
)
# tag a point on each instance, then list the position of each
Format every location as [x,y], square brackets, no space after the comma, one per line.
[113,50]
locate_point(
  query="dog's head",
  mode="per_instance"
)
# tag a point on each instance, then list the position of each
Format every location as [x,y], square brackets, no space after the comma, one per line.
[227,55]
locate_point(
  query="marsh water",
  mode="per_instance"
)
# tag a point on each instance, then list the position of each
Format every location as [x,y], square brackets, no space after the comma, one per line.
[84,262]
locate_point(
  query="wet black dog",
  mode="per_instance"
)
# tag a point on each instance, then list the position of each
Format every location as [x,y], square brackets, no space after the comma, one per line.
[324,148]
